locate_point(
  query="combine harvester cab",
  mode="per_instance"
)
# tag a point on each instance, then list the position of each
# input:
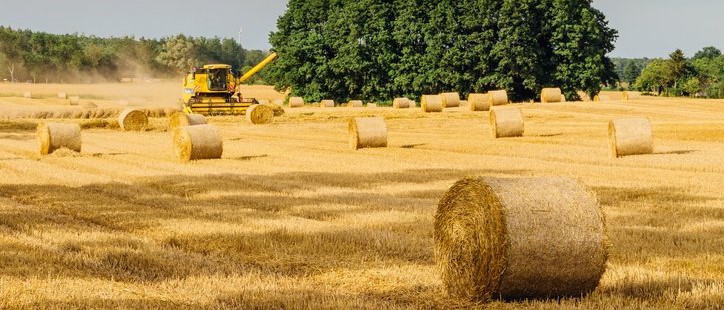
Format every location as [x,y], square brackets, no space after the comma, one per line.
[213,90]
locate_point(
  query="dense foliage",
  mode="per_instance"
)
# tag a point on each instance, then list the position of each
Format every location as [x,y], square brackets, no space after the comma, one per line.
[378,50]
[700,76]
[43,57]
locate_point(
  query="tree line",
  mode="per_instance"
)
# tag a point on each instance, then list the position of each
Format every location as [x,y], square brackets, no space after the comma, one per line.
[378,50]
[42,57]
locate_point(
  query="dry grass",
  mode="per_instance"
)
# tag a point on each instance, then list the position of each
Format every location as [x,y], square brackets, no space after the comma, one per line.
[291,218]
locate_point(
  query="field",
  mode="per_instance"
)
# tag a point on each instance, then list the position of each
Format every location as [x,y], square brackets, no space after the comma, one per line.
[290,217]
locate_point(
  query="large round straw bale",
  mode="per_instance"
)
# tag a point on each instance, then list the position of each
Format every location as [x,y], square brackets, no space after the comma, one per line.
[133,119]
[28,95]
[401,103]
[479,102]
[431,103]
[551,95]
[355,104]
[63,96]
[498,97]
[327,104]
[367,132]
[450,100]
[519,238]
[74,100]
[258,114]
[198,142]
[54,136]
[180,119]
[296,102]
[506,122]
[630,136]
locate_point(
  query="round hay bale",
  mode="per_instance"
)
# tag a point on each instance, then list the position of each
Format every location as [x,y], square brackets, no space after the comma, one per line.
[74,100]
[296,102]
[550,95]
[258,114]
[198,142]
[327,104]
[54,136]
[431,103]
[355,104]
[279,102]
[630,136]
[62,96]
[498,97]
[181,119]
[28,95]
[506,122]
[519,238]
[401,103]
[371,105]
[133,119]
[367,132]
[479,102]
[413,103]
[450,100]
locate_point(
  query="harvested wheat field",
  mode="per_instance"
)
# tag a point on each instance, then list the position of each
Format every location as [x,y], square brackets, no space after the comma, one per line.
[291,217]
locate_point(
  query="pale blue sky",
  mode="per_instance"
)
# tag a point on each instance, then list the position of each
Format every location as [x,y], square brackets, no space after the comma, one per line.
[651,28]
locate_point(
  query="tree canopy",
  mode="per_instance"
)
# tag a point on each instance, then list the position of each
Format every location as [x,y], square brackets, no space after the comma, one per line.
[700,76]
[378,50]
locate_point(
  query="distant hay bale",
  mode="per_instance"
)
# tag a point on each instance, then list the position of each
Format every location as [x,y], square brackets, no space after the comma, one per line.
[133,120]
[62,96]
[54,136]
[401,103]
[296,102]
[630,136]
[279,102]
[355,104]
[198,142]
[258,114]
[479,102]
[610,96]
[450,100]
[371,105]
[74,100]
[431,103]
[551,95]
[28,95]
[631,95]
[367,132]
[181,119]
[413,103]
[327,104]
[498,97]
[506,122]
[522,238]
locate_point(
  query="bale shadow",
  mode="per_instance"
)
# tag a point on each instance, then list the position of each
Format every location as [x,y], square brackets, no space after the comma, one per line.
[412,146]
[550,135]
[247,158]
[683,152]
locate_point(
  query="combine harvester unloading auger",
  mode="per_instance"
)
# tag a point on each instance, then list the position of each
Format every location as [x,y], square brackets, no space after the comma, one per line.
[214,90]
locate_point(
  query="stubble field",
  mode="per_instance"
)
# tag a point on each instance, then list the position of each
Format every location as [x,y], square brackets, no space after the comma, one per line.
[290,217]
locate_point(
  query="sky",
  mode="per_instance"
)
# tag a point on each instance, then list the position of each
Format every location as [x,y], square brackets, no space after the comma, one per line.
[647,28]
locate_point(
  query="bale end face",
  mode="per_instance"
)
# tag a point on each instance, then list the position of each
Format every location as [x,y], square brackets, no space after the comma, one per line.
[133,120]
[258,114]
[198,142]
[551,95]
[367,132]
[54,136]
[498,97]
[630,136]
[450,100]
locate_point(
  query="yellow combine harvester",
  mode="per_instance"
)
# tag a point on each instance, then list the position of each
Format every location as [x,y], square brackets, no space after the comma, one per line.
[213,90]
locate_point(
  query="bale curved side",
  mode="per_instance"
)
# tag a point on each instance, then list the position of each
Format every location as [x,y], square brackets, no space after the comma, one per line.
[431,103]
[479,102]
[327,104]
[450,100]
[133,120]
[551,95]
[506,122]
[519,238]
[401,103]
[367,132]
[54,136]
[258,114]
[198,142]
[498,97]
[62,95]
[296,102]
[630,136]
[355,104]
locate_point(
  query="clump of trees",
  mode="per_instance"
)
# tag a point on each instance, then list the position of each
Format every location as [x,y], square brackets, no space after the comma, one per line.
[377,50]
[699,76]
[43,57]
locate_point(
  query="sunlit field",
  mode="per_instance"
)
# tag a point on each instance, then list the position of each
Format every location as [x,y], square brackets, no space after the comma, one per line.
[290,217]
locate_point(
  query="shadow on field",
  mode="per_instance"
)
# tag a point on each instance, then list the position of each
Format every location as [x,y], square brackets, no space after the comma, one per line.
[288,224]
[685,152]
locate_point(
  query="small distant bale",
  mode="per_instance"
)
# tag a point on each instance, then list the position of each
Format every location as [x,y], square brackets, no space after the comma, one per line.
[63,96]
[133,120]
[367,132]
[327,103]
[54,136]
[198,142]
[630,136]
[279,102]
[631,95]
[296,102]
[259,114]
[371,105]
[519,238]
[479,102]
[355,104]
[450,100]
[506,122]
[498,97]
[181,119]
[431,103]
[610,96]
[401,103]
[28,95]
[551,95]
[74,100]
